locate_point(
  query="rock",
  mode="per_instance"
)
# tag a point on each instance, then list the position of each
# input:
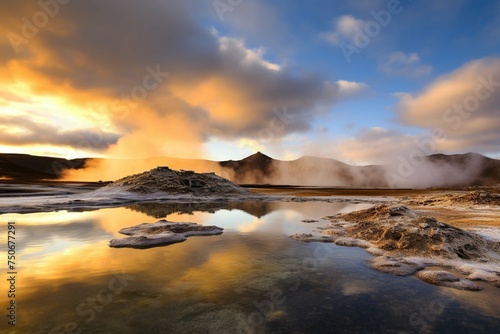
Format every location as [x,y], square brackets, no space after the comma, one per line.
[444,278]
[307,237]
[402,211]
[413,230]
[308,221]
[161,233]
[395,266]
[350,242]
[491,276]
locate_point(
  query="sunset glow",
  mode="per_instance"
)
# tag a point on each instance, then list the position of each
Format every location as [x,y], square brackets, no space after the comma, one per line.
[196,80]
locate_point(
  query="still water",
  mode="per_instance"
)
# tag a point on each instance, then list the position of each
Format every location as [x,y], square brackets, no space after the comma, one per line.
[251,279]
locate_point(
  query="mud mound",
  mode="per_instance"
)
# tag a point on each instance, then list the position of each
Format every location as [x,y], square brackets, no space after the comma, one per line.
[401,230]
[406,242]
[161,233]
[164,179]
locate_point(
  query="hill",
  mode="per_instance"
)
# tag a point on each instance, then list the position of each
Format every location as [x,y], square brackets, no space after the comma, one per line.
[176,183]
[29,167]
[437,170]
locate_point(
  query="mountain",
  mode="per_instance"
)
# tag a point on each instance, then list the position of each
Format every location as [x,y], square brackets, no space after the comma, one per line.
[482,170]
[30,167]
[254,169]
[437,170]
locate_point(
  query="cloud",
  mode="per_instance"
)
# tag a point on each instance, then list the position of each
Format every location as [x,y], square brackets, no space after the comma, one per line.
[350,88]
[464,105]
[388,144]
[375,145]
[23,131]
[241,18]
[207,85]
[456,113]
[248,57]
[343,29]
[404,64]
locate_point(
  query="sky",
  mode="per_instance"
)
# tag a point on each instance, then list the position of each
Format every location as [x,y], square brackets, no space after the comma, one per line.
[359,81]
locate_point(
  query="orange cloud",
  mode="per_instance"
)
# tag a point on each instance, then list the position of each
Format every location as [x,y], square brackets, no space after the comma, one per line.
[463,104]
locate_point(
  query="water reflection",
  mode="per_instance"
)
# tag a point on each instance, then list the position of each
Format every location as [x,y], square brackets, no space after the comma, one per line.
[159,210]
[251,279]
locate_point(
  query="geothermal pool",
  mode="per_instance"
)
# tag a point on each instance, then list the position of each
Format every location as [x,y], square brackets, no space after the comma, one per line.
[251,279]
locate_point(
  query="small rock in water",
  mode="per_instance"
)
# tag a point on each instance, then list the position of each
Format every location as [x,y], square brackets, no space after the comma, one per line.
[444,278]
[307,237]
[308,221]
[395,266]
[161,233]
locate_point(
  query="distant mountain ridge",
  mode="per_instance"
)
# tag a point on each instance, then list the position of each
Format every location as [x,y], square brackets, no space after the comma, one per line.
[32,167]
[432,171]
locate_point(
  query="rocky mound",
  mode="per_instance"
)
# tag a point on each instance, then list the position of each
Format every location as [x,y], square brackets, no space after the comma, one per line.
[161,233]
[164,179]
[407,242]
[401,229]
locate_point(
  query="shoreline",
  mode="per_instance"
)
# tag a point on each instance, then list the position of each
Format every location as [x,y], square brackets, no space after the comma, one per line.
[455,208]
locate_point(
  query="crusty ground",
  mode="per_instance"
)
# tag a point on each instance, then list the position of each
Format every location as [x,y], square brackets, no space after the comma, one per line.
[405,232]
[479,207]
